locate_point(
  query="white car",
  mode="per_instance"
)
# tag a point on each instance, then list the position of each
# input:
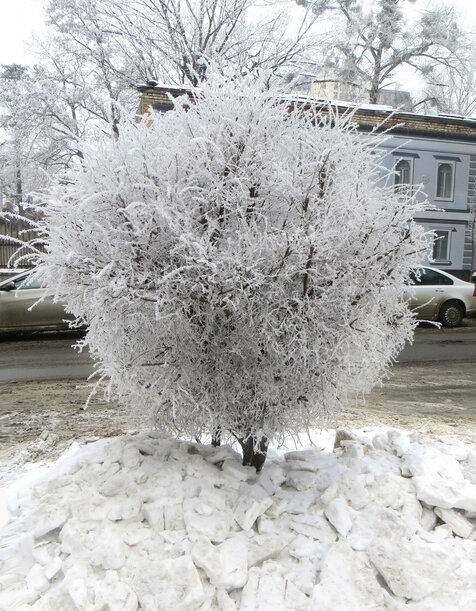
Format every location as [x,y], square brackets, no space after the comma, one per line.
[18,295]
[438,296]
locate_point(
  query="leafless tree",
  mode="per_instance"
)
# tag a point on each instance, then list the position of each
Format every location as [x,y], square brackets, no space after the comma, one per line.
[452,89]
[371,43]
[172,38]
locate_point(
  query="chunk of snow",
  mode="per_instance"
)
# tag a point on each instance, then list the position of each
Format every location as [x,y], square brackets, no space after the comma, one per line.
[458,523]
[347,581]
[339,515]
[226,565]
[412,569]
[248,509]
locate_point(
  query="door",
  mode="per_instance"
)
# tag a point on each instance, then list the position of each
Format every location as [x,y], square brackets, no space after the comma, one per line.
[429,291]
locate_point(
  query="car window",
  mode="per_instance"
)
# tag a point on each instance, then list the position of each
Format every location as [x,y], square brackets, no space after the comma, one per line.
[429,277]
[28,283]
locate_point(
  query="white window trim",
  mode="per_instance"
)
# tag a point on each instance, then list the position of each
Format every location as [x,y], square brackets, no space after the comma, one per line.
[449,231]
[400,186]
[452,163]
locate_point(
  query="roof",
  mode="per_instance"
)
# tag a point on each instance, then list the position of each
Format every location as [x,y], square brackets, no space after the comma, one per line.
[367,116]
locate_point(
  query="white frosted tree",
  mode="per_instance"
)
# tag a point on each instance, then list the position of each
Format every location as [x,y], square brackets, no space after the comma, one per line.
[237,261]
[369,42]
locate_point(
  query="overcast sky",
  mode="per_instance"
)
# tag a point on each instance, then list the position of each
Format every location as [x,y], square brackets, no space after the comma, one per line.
[20,18]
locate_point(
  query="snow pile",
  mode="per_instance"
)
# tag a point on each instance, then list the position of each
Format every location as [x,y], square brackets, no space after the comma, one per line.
[385,521]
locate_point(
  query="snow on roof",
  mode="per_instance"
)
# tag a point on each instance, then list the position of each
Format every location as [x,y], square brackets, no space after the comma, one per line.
[299,97]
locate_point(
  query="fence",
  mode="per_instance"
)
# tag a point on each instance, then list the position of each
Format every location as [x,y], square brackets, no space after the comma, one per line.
[9,251]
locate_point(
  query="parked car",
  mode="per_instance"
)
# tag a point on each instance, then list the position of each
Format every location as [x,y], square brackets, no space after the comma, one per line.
[17,295]
[439,296]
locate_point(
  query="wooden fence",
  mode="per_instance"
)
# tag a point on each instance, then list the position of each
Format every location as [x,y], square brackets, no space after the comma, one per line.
[10,252]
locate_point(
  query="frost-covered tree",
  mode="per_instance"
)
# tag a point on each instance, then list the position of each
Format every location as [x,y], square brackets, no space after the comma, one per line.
[124,42]
[371,41]
[238,262]
[171,38]
[453,89]
[27,143]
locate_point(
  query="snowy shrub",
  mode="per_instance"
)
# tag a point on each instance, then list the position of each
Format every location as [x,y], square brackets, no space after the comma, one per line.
[238,262]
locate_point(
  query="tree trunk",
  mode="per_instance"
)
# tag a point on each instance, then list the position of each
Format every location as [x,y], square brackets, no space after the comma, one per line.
[254,452]
[19,190]
[216,438]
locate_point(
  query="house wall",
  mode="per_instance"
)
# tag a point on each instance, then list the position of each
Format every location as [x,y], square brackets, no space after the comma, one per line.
[456,216]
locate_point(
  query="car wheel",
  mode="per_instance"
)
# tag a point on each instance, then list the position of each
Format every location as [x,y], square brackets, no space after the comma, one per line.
[451,314]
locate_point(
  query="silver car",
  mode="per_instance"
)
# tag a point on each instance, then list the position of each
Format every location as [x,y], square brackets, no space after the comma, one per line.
[17,296]
[438,296]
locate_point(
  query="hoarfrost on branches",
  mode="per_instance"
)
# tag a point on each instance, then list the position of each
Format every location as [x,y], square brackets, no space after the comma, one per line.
[238,261]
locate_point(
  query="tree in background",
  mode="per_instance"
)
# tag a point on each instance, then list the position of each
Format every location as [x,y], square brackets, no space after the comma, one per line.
[452,90]
[234,263]
[27,147]
[124,42]
[175,39]
[370,43]
[95,53]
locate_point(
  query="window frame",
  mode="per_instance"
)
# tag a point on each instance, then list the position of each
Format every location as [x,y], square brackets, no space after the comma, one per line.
[403,188]
[452,164]
[446,261]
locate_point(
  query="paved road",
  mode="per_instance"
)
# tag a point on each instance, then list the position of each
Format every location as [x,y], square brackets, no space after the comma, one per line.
[43,358]
[51,356]
[441,345]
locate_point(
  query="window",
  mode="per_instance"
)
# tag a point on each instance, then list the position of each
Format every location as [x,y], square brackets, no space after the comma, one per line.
[403,175]
[441,246]
[429,277]
[26,283]
[445,180]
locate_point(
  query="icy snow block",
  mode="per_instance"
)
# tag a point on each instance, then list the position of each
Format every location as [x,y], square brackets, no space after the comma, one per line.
[338,514]
[109,550]
[252,504]
[95,508]
[347,581]
[125,508]
[268,590]
[439,492]
[169,584]
[226,565]
[14,599]
[412,569]
[458,523]
[271,478]
[173,517]
[313,525]
[131,457]
[154,514]
[266,546]
[301,480]
[114,596]
[36,579]
[50,518]
[222,453]
[235,469]
[225,603]
[215,525]
[53,568]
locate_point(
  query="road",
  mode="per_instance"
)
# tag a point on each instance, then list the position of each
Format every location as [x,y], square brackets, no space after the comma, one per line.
[46,357]
[441,345]
[52,357]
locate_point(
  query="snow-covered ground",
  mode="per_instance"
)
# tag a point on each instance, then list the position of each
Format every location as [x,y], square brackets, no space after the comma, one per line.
[383,521]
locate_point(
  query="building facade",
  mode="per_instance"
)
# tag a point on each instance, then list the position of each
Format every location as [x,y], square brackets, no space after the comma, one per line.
[433,155]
